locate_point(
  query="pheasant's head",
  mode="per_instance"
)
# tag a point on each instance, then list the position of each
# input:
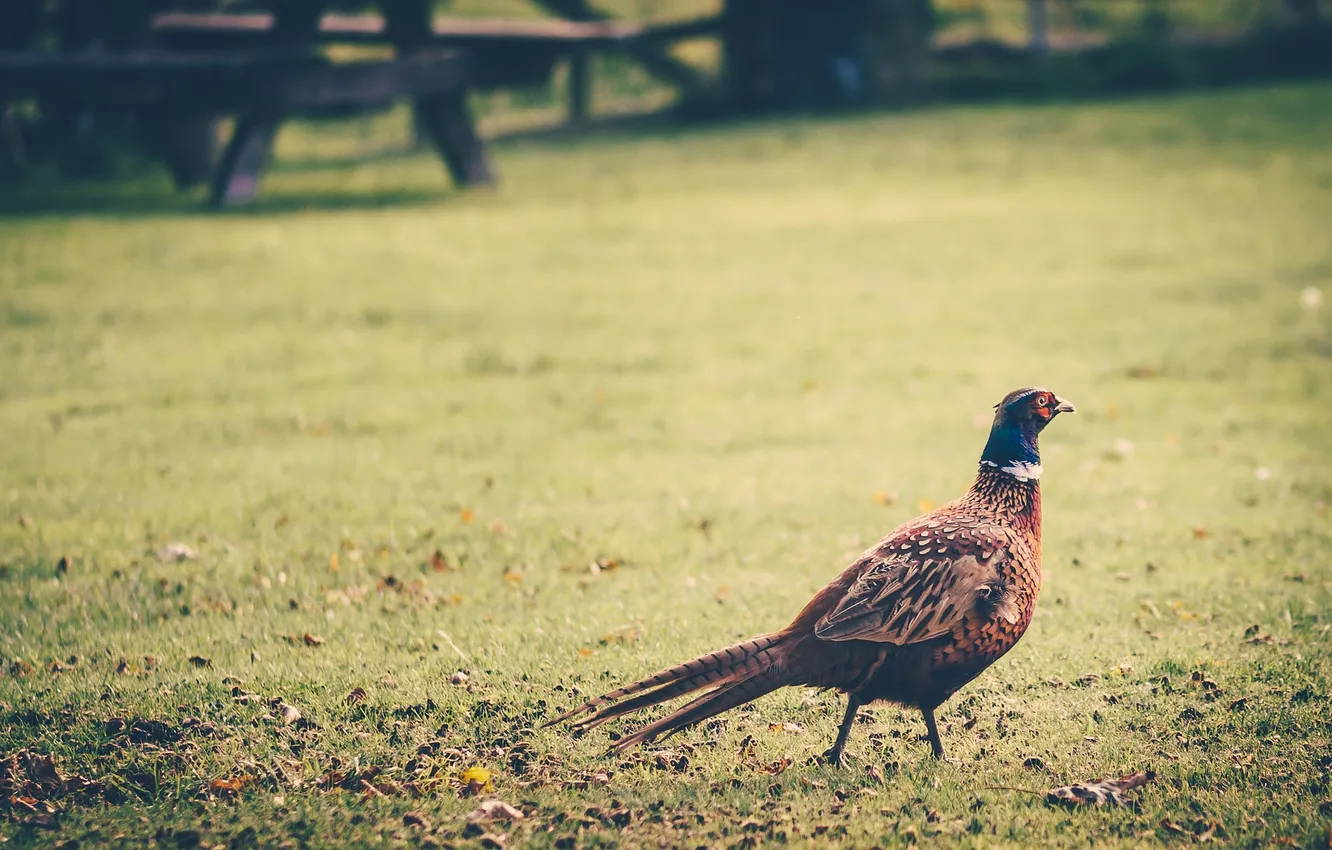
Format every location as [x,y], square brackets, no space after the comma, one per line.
[1018,421]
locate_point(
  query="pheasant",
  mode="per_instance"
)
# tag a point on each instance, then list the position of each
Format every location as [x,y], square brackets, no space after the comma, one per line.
[916,617]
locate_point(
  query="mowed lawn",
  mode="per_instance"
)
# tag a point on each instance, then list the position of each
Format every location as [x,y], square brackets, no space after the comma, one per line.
[270,479]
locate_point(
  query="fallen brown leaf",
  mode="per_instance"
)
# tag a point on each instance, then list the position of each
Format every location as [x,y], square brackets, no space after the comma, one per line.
[494,810]
[416,819]
[1099,792]
[230,786]
[176,552]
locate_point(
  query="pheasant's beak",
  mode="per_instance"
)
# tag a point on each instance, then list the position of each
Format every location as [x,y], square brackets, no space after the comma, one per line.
[1064,406]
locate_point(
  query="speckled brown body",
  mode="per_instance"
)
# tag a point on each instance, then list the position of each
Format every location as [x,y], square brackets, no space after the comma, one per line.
[999,523]
[920,614]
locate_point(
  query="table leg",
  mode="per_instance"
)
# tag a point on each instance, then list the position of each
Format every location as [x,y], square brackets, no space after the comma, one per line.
[444,119]
[237,177]
[448,123]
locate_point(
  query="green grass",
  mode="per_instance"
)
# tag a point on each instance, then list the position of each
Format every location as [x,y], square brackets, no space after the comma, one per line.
[700,354]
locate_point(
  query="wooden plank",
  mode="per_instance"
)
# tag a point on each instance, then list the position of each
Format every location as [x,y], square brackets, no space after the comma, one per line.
[146,77]
[368,84]
[373,29]
[222,82]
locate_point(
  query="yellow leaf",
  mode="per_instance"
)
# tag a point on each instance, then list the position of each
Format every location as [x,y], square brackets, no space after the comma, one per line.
[513,577]
[628,634]
[465,515]
[333,562]
[584,653]
[476,779]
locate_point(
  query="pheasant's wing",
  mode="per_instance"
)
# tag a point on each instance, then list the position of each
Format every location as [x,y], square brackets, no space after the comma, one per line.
[919,584]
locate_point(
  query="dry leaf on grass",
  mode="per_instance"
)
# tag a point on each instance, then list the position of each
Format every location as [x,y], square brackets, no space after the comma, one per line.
[415,818]
[624,635]
[494,810]
[200,661]
[176,552]
[229,787]
[1099,792]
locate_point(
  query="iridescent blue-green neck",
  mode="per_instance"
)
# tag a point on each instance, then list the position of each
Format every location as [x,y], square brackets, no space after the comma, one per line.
[1012,444]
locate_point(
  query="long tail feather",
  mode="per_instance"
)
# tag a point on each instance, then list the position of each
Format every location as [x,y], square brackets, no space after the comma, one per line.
[674,681]
[709,705]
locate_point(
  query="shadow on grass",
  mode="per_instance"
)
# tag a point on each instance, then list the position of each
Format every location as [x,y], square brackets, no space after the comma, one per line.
[298,164]
[145,198]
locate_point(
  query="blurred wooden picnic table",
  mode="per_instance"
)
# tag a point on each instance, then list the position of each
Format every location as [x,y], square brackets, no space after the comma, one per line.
[179,70]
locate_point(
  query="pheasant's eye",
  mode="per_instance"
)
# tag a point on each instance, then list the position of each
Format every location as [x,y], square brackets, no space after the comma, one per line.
[1042,400]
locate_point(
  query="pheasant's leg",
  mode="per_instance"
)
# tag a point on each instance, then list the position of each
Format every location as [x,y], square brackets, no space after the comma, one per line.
[933,731]
[833,755]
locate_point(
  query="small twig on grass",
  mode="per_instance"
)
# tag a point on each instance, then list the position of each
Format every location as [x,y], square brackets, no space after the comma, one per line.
[1011,788]
[450,642]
